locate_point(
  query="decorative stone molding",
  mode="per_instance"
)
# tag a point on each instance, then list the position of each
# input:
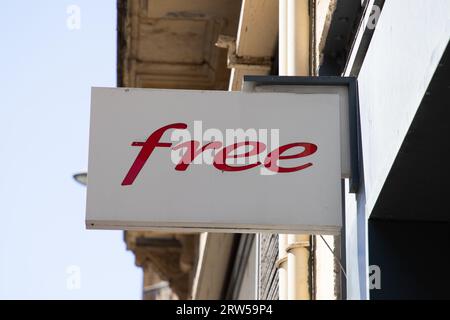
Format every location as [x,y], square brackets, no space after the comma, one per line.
[171,257]
[170,44]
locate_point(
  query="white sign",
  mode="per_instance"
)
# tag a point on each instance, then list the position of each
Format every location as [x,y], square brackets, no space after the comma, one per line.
[214,161]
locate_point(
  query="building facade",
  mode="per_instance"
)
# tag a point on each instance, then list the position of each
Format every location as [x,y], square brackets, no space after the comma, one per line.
[396,223]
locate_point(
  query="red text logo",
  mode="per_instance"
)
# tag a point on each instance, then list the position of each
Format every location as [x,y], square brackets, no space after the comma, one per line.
[222,154]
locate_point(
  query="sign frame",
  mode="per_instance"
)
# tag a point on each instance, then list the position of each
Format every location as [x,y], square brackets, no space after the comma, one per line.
[288,85]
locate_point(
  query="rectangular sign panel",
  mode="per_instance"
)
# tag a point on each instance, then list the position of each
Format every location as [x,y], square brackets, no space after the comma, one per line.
[214,161]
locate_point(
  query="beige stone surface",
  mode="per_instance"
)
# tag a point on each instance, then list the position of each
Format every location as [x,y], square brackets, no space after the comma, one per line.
[170,43]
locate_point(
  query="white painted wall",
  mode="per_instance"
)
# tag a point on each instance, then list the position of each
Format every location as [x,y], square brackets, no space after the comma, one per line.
[407,45]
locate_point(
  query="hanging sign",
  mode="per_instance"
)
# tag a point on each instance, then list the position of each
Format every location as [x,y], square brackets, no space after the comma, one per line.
[214,161]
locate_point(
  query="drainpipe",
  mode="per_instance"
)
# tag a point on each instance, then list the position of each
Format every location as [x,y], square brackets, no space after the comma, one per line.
[282,67]
[294,50]
[298,33]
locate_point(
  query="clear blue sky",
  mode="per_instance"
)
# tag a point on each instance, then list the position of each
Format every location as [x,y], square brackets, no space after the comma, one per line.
[47,71]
